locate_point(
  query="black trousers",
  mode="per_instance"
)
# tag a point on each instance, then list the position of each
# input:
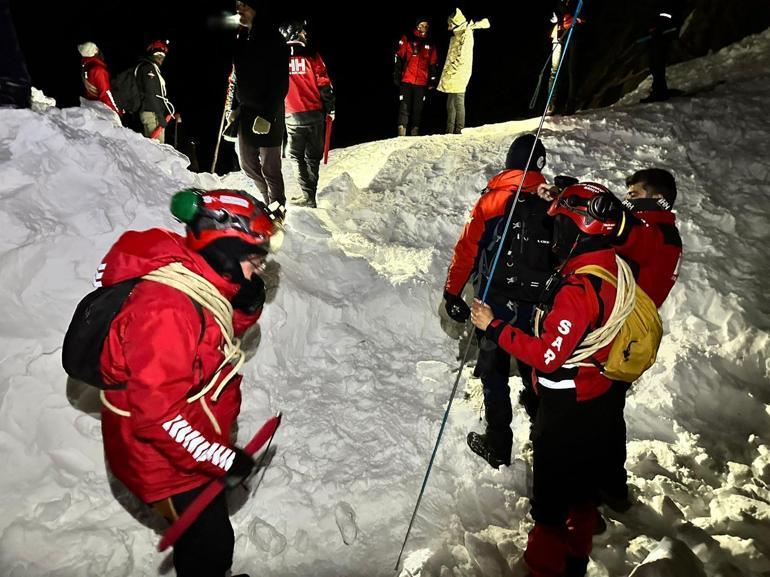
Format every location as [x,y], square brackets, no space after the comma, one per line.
[571,447]
[206,548]
[306,147]
[412,98]
[658,57]
[614,478]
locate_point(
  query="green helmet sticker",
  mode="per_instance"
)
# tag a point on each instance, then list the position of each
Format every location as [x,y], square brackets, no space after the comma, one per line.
[185,204]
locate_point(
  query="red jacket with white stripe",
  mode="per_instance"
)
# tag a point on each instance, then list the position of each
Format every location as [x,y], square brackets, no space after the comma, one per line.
[309,85]
[96,81]
[653,249]
[418,61]
[582,303]
[157,347]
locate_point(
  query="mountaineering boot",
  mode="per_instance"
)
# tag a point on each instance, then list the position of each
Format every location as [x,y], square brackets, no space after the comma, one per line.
[304,201]
[655,97]
[401,130]
[415,131]
[576,566]
[479,445]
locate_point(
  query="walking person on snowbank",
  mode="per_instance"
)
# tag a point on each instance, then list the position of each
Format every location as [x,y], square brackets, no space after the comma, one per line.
[458,68]
[171,357]
[156,107]
[309,102]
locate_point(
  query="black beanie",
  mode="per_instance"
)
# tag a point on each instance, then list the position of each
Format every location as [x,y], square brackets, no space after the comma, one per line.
[519,151]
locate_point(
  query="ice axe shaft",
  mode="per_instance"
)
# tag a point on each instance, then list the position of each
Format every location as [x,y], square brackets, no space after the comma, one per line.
[327,138]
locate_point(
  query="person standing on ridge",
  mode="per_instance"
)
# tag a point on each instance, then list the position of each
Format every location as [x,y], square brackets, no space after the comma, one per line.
[95,76]
[458,68]
[414,73]
[156,107]
[262,82]
[309,101]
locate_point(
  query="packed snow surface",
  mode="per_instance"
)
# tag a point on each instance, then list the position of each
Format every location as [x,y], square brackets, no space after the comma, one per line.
[352,351]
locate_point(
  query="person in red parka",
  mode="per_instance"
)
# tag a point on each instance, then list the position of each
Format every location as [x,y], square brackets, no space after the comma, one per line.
[309,102]
[95,76]
[577,412]
[167,426]
[415,72]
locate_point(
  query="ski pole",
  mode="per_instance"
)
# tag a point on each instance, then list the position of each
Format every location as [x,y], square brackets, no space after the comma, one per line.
[488,284]
[536,93]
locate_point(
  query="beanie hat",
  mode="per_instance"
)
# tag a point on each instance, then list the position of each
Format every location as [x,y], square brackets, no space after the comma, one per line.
[88,49]
[518,153]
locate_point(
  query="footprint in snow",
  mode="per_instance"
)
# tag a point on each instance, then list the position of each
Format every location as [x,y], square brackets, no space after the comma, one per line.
[345,517]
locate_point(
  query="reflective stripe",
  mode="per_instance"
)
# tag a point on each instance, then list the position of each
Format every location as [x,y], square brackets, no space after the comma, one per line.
[665,15]
[549,384]
[195,443]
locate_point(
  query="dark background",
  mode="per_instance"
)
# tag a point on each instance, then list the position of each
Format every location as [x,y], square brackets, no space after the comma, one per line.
[356,43]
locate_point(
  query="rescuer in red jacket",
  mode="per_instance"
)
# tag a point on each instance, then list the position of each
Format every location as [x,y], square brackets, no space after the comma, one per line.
[95,76]
[309,102]
[415,72]
[577,412]
[167,429]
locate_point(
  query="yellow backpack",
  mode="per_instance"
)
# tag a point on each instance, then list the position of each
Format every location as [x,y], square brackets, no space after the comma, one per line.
[636,345]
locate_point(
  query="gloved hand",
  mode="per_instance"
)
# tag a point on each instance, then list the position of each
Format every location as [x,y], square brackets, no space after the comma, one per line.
[251,296]
[456,308]
[243,465]
[261,125]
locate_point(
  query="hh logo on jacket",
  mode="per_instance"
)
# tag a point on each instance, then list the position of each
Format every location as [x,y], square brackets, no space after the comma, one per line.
[297,65]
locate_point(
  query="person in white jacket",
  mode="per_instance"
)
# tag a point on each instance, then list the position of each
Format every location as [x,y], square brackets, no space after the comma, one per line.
[458,67]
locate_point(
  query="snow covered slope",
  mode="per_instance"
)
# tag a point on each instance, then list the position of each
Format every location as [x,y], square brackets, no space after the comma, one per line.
[351,349]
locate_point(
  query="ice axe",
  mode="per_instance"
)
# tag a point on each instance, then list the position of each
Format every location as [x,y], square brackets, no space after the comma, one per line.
[327,137]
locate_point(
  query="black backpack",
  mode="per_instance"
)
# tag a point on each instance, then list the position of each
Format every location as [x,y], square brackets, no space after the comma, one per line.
[89,327]
[125,90]
[526,261]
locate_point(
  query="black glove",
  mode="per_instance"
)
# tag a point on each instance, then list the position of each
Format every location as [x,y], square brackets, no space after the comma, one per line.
[243,465]
[456,308]
[251,296]
[563,181]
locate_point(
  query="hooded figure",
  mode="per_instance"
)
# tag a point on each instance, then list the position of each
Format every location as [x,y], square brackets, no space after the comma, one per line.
[458,67]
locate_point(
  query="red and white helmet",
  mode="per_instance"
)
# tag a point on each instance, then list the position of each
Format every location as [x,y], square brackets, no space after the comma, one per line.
[233,214]
[583,203]
[158,47]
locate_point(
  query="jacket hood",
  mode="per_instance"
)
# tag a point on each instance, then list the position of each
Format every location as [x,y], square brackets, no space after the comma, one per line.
[92,60]
[137,253]
[511,178]
[458,18]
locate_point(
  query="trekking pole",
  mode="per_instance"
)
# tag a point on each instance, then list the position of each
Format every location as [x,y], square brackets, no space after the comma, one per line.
[228,105]
[486,289]
[536,93]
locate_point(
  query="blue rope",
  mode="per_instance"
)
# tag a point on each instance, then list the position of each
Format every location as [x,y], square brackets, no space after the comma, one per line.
[494,264]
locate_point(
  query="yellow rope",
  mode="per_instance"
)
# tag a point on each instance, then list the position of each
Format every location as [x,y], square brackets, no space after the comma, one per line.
[206,294]
[625,300]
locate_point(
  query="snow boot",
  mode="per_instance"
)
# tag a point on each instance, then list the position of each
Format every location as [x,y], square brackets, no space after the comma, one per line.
[479,445]
[401,130]
[655,97]
[415,131]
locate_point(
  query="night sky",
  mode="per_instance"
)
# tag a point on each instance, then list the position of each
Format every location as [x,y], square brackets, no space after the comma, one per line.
[358,50]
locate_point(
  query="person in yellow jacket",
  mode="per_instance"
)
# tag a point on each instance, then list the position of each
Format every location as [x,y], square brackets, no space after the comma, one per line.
[458,67]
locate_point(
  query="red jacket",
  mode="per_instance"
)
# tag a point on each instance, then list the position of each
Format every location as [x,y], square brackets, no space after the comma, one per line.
[484,218]
[418,59]
[582,304]
[309,84]
[157,348]
[96,81]
[653,249]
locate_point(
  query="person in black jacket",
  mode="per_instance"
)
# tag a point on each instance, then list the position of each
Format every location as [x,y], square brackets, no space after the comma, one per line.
[156,107]
[15,85]
[262,80]
[663,21]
